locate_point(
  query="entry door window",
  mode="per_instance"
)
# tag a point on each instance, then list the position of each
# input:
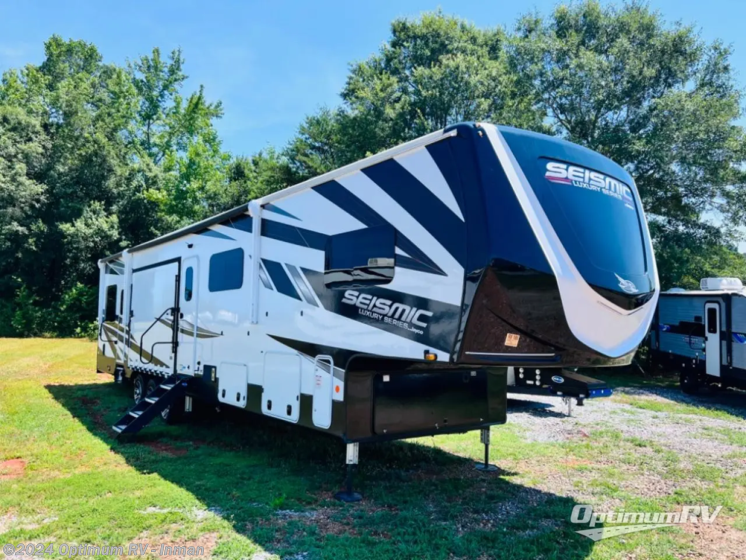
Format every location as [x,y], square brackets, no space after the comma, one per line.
[189,284]
[110,313]
[712,320]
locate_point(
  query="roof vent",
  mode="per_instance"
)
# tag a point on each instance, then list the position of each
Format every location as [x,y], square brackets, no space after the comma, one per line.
[725,284]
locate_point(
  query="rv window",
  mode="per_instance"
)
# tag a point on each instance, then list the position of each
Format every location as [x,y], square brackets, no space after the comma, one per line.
[226,271]
[712,320]
[364,257]
[121,301]
[188,282]
[110,313]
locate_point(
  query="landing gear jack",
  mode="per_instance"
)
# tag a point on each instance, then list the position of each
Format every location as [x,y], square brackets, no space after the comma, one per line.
[347,495]
[485,439]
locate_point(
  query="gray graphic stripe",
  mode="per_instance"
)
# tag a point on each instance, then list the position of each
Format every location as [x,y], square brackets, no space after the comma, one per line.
[302,286]
[263,277]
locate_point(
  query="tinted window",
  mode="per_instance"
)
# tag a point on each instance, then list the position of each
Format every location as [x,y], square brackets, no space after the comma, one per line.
[121,301]
[712,320]
[603,219]
[110,313]
[226,271]
[592,206]
[360,258]
[188,284]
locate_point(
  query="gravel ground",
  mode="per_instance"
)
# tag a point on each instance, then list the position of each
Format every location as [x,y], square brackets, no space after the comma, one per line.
[695,439]
[545,419]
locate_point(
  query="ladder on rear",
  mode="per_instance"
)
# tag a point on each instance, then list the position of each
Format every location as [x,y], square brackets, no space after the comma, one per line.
[152,405]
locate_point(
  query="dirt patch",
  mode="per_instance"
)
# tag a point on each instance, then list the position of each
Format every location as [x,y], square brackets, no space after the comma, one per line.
[166,449]
[91,407]
[327,525]
[12,468]
[716,541]
[6,521]
[327,521]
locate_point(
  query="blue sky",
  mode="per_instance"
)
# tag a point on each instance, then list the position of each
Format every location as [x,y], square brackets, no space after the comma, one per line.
[273,62]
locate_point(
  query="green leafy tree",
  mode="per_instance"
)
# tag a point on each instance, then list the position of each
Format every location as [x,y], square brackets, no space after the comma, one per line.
[177,134]
[433,71]
[22,149]
[93,158]
[248,178]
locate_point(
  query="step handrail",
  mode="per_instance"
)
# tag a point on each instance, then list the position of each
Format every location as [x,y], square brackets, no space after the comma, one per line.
[157,319]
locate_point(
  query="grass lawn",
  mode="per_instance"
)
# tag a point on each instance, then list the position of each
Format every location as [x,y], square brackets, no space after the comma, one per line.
[245,487]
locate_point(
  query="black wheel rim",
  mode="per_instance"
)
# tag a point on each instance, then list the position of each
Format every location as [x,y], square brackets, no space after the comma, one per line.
[138,390]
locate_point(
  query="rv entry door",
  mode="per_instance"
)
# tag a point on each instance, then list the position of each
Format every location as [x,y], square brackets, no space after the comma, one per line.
[712,339]
[188,317]
[155,299]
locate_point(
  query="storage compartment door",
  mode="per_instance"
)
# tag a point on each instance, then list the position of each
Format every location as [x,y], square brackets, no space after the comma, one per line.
[410,402]
[323,386]
[282,375]
[233,379]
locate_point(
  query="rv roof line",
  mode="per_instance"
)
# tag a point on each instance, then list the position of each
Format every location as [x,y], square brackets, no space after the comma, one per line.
[358,165]
[113,257]
[295,189]
[193,228]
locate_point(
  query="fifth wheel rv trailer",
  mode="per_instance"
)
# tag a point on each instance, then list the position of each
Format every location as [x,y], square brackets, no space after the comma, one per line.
[386,299]
[702,334]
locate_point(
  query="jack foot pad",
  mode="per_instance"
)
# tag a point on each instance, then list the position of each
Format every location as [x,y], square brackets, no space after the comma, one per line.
[347,496]
[485,467]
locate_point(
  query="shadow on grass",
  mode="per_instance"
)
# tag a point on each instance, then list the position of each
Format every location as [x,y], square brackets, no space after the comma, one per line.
[523,403]
[274,483]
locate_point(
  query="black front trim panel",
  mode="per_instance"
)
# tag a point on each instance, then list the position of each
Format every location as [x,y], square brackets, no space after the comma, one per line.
[516,317]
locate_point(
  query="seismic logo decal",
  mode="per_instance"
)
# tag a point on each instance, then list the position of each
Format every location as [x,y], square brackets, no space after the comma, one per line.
[380,309]
[565,174]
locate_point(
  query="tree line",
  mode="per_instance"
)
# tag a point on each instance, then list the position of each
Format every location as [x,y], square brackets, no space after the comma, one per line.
[96,157]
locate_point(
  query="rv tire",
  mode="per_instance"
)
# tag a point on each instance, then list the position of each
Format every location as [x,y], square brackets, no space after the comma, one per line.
[689,381]
[138,387]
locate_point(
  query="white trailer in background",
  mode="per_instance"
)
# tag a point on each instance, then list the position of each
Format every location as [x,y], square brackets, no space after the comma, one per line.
[702,334]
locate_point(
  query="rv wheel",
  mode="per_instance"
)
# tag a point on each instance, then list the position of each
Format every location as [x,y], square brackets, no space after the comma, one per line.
[138,388]
[151,386]
[689,381]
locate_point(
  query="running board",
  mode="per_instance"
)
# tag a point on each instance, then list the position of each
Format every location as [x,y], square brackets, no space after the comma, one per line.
[152,405]
[563,383]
